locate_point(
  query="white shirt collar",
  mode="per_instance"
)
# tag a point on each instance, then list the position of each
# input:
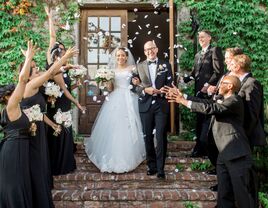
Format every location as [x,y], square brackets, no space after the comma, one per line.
[156,60]
[205,49]
[243,77]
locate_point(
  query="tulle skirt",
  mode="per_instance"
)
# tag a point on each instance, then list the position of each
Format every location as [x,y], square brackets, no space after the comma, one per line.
[117,144]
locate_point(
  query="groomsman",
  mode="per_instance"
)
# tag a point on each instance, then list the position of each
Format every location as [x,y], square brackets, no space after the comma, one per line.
[235,174]
[152,75]
[252,94]
[208,69]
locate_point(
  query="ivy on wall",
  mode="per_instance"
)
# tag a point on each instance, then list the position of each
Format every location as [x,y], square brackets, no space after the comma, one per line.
[21,20]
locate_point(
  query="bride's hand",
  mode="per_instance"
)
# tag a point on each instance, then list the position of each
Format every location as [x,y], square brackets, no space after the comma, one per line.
[136,81]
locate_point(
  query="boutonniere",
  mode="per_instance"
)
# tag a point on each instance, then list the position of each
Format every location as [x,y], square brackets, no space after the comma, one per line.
[161,68]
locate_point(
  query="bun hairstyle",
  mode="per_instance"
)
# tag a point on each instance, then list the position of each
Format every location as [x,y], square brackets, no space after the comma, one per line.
[56,51]
[6,90]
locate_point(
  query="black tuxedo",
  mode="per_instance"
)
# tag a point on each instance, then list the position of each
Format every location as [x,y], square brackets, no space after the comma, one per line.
[252,94]
[234,164]
[208,68]
[154,112]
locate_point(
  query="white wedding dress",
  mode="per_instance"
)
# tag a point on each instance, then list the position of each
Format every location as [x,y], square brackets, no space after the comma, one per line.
[116,143]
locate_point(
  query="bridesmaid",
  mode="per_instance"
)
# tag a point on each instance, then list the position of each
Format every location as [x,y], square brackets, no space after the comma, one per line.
[15,177]
[39,156]
[61,147]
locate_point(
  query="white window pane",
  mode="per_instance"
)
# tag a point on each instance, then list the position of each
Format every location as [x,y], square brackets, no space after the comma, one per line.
[92,56]
[115,23]
[104,55]
[104,23]
[92,23]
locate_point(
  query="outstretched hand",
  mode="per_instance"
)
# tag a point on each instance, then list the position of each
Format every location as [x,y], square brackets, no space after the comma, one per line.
[71,52]
[31,50]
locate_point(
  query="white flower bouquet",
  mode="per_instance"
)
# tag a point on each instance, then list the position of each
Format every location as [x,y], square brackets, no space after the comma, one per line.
[77,73]
[104,75]
[34,114]
[63,118]
[53,91]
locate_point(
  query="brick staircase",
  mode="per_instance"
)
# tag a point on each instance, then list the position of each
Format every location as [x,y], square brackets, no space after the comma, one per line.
[88,188]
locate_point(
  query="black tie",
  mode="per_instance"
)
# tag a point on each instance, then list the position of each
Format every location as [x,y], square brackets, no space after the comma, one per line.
[151,62]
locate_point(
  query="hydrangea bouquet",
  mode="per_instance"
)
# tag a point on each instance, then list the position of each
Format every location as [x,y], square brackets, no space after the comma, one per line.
[63,118]
[53,91]
[34,114]
[77,73]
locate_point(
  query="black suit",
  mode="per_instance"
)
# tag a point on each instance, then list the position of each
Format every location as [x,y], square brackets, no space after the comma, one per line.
[154,112]
[252,94]
[234,164]
[208,68]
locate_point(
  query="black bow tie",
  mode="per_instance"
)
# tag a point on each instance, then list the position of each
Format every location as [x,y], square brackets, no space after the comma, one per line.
[151,62]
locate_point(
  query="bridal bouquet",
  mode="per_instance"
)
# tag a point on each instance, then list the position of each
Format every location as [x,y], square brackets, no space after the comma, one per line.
[78,72]
[34,114]
[63,118]
[104,75]
[53,91]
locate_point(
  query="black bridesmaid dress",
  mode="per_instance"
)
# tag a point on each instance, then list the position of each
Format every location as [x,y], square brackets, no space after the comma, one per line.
[39,158]
[61,147]
[15,181]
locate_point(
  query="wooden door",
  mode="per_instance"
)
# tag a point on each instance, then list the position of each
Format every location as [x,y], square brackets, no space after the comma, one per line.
[101,31]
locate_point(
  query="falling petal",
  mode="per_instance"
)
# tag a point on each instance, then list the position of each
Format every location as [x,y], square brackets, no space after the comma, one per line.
[98,101]
[134,38]
[137,33]
[147,25]
[130,41]
[169,78]
[94,98]
[135,10]
[177,35]
[140,27]
[134,20]
[156,26]
[138,60]
[131,46]
[234,33]
[105,93]
[149,32]
[123,25]
[154,131]
[165,54]
[168,20]
[145,16]
[158,35]
[185,49]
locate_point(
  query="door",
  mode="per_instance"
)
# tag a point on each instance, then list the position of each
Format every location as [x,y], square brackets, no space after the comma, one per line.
[101,31]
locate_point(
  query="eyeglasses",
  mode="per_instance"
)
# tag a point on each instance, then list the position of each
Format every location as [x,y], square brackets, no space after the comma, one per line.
[149,49]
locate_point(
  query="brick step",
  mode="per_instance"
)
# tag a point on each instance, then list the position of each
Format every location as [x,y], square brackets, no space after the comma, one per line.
[88,176]
[141,168]
[131,204]
[169,160]
[134,195]
[173,145]
[132,185]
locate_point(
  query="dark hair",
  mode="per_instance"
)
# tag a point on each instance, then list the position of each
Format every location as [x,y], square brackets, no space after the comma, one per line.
[207,32]
[56,50]
[123,49]
[6,90]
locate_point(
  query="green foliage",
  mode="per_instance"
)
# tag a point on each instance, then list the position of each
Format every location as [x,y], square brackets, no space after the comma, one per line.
[263,197]
[202,166]
[22,23]
[189,204]
[180,167]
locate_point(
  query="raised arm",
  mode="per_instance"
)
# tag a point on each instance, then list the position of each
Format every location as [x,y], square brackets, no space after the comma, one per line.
[54,69]
[52,34]
[13,108]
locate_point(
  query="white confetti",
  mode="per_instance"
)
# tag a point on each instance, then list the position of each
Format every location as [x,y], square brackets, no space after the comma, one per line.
[137,33]
[147,25]
[234,33]
[185,49]
[153,102]
[165,54]
[94,98]
[98,101]
[105,93]
[134,20]
[123,25]
[138,60]
[149,32]
[177,35]
[145,16]
[167,20]
[135,10]
[134,38]
[154,131]
[131,46]
[176,170]
[169,78]
[164,65]
[100,33]
[156,26]
[130,41]
[140,27]
[86,188]
[158,35]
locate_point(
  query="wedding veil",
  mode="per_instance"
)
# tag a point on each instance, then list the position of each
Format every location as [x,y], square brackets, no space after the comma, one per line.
[112,63]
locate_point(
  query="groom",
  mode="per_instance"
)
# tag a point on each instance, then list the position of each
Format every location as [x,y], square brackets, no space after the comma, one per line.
[152,75]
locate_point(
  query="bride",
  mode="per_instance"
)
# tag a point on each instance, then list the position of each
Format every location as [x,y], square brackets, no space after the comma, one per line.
[116,143]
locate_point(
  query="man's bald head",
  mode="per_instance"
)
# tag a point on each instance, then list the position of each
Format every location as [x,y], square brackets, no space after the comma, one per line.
[234,81]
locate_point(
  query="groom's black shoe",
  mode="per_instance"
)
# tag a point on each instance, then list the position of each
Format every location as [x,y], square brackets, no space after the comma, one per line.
[151,172]
[161,175]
